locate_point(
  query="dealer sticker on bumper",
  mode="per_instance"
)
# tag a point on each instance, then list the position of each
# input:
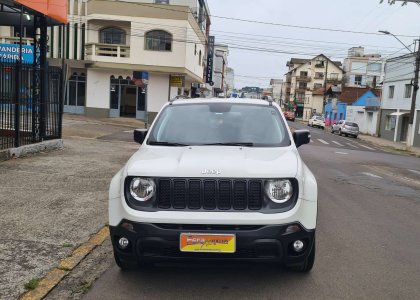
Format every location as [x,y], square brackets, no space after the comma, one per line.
[200,242]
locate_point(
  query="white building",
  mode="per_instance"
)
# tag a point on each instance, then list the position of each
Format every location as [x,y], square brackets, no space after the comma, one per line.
[396,101]
[220,63]
[230,81]
[363,70]
[305,79]
[277,86]
[106,41]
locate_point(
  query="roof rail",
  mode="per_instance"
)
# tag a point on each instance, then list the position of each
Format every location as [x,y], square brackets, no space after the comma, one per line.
[178,98]
[269,99]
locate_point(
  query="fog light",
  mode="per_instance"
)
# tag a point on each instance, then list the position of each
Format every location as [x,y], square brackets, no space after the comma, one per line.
[298,245]
[123,243]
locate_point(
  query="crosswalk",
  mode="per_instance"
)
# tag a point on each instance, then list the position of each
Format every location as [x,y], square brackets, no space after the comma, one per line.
[346,143]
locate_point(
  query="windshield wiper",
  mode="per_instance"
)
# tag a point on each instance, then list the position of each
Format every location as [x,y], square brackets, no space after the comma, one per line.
[229,144]
[156,143]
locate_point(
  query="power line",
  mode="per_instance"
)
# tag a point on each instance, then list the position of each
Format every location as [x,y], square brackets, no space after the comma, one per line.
[266,23]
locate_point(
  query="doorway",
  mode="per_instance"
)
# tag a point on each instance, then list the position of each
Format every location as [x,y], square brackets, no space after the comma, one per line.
[127,99]
[404,128]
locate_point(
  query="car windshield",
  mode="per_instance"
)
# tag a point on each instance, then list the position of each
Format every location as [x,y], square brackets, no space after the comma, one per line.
[220,124]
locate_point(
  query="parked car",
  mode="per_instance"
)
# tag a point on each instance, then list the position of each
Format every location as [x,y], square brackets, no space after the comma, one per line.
[289,115]
[215,179]
[346,128]
[317,121]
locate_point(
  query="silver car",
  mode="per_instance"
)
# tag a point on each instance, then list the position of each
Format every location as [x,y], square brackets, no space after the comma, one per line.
[346,128]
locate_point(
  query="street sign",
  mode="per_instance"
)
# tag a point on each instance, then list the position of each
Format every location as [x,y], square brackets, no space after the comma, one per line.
[12,52]
[210,54]
[177,81]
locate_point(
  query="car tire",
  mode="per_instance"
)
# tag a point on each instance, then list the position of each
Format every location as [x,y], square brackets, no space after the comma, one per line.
[346,134]
[339,132]
[332,130]
[355,136]
[306,265]
[293,120]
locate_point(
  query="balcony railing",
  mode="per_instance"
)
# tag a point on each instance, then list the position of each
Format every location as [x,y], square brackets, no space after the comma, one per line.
[334,80]
[111,50]
[319,76]
[303,78]
[15,40]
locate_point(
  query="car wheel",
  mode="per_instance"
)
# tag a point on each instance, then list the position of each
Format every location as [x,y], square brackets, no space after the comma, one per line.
[323,128]
[355,136]
[293,120]
[346,134]
[332,130]
[339,132]
[306,265]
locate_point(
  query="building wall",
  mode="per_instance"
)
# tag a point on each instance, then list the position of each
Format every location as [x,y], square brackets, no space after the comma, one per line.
[158,91]
[367,121]
[386,134]
[398,73]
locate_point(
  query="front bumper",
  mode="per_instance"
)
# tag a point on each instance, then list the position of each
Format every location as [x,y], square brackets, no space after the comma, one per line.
[160,242]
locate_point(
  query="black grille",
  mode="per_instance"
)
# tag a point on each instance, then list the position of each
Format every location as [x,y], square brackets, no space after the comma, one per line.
[208,194]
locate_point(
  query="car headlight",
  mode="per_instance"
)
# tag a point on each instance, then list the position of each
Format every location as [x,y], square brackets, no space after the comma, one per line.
[279,191]
[142,189]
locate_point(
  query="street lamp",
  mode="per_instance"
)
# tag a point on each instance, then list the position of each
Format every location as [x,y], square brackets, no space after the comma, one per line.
[415,84]
[389,33]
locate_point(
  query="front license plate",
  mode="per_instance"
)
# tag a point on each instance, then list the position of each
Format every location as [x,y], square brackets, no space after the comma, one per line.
[203,242]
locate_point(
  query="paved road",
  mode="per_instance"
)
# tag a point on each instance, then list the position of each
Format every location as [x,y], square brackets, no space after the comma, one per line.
[322,137]
[368,241]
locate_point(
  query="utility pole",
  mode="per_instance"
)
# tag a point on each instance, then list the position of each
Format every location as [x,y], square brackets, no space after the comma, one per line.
[414,97]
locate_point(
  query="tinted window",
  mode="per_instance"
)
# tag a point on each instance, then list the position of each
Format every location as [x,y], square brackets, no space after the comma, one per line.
[351,124]
[208,123]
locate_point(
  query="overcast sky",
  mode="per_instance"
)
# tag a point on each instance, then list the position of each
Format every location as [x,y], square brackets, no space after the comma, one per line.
[255,68]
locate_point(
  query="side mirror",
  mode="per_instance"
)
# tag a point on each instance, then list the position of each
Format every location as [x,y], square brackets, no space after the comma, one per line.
[140,135]
[301,137]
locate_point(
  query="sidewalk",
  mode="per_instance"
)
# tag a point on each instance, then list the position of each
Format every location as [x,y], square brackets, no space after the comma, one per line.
[390,145]
[53,202]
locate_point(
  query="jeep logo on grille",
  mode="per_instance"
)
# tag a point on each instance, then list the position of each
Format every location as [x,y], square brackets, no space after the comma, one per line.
[211,172]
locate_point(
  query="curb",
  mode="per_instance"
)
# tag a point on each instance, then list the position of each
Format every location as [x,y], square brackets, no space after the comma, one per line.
[66,265]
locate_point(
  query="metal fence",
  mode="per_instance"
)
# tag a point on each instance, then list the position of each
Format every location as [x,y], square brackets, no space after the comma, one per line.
[25,119]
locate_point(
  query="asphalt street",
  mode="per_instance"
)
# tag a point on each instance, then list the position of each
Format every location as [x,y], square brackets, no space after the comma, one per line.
[368,241]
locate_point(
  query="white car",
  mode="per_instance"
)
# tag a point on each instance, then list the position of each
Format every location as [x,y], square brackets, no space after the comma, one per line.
[215,179]
[317,121]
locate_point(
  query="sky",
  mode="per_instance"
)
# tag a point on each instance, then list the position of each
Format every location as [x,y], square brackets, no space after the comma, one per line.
[259,52]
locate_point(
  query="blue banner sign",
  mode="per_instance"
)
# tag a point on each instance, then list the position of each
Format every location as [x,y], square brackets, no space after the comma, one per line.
[11,52]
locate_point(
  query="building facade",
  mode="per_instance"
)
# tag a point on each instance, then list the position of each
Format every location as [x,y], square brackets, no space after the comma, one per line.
[220,65]
[396,101]
[277,87]
[306,77]
[106,42]
[363,70]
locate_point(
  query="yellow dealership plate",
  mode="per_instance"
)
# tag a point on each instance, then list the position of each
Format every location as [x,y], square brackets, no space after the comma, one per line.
[204,242]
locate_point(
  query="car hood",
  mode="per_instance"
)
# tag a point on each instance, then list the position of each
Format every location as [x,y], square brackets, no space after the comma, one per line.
[214,161]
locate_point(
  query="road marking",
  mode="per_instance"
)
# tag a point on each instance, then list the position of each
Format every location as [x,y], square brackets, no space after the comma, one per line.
[343,153]
[352,145]
[371,175]
[324,142]
[54,277]
[311,141]
[414,171]
[366,147]
[128,131]
[337,143]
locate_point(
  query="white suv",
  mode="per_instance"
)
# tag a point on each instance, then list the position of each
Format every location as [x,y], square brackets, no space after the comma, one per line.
[215,179]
